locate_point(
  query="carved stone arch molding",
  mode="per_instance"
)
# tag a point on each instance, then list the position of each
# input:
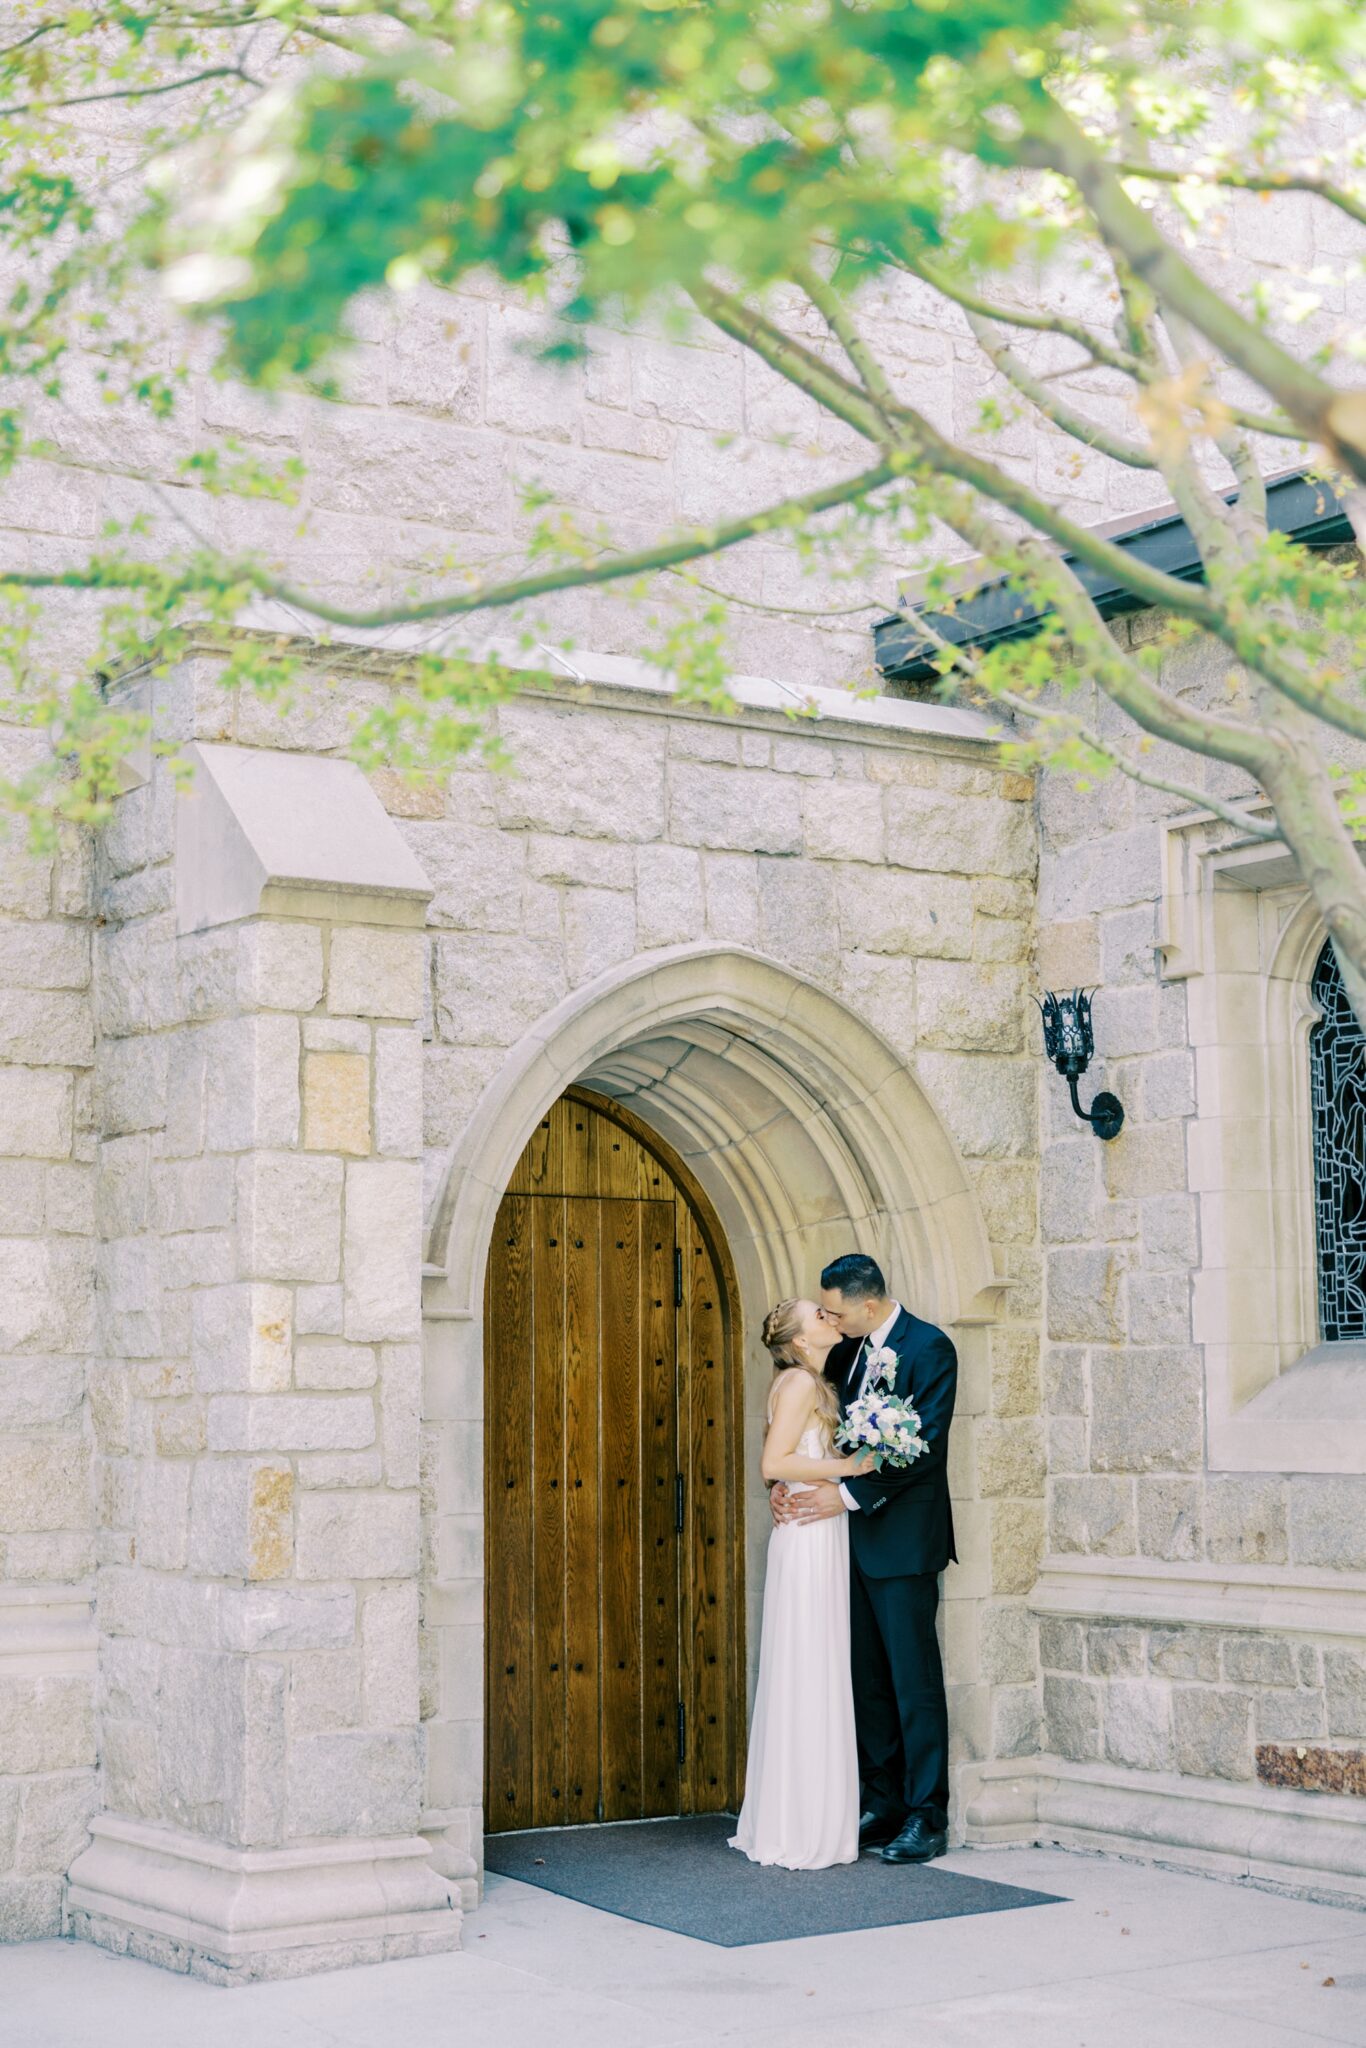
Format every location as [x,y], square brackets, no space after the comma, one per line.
[808,1136]
[796,1116]
[1242,931]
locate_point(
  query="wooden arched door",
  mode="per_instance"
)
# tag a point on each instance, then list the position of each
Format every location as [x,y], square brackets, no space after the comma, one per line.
[614,1586]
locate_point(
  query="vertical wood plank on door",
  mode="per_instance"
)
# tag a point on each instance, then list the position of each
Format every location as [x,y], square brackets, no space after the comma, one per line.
[711,1763]
[541,1168]
[661,1542]
[582,1579]
[545,1453]
[510,1716]
[621,1288]
[620,1163]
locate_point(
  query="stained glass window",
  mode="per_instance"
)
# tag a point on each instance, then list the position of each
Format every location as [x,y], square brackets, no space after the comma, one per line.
[1337,1075]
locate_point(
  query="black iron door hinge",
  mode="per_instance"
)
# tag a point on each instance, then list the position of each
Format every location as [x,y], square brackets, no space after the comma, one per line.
[682,1735]
[678,1277]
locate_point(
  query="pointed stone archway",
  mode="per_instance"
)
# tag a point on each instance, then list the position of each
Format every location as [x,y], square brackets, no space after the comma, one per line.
[808,1136]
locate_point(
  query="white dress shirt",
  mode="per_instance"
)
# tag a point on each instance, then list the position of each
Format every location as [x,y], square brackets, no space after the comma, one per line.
[874,1341]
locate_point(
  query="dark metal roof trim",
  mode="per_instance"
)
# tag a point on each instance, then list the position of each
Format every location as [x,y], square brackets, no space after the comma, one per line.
[1309,511]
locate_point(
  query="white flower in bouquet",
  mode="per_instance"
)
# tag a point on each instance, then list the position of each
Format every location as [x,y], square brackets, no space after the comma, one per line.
[880,1421]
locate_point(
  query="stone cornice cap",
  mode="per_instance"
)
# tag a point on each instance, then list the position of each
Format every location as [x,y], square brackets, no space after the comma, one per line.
[265,833]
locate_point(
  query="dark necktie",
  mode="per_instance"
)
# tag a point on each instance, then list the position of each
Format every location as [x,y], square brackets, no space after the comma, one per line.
[858,1368]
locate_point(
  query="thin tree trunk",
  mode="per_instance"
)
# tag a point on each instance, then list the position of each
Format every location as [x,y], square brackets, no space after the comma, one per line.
[1330,862]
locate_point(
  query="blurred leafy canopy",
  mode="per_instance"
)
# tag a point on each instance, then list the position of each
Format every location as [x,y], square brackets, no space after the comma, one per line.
[773,168]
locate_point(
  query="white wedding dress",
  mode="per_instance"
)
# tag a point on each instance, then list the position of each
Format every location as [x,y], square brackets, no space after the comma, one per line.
[801,1783]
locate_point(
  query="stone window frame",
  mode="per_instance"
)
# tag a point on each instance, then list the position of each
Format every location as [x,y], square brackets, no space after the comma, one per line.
[1337,1066]
[1239,927]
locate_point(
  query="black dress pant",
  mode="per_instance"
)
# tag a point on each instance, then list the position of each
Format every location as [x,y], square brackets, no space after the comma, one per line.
[900,1714]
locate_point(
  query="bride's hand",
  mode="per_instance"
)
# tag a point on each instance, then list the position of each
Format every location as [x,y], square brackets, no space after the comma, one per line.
[858,1465]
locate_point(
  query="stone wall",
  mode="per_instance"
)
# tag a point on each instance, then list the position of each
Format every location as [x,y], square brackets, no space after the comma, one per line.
[1195,1700]
[223,1156]
[882,858]
[256,1403]
[442,417]
[257,1119]
[266,1075]
[1228,1574]
[47,1516]
[897,874]
[894,870]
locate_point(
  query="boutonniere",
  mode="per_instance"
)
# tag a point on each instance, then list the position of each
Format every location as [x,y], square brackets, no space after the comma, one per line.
[882,1364]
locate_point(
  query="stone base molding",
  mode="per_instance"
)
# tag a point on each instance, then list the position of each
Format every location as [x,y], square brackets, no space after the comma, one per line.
[235,1916]
[447,1838]
[1289,1599]
[1310,1843]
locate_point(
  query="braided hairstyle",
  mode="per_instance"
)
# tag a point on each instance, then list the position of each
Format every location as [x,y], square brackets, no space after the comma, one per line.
[782,1323]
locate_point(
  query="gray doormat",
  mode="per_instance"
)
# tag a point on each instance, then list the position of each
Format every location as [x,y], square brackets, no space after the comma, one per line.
[680,1874]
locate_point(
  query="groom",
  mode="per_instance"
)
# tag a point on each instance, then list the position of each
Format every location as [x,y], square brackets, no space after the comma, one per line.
[900,1539]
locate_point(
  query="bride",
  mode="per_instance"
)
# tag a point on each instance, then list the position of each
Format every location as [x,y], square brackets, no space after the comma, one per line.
[801,1806]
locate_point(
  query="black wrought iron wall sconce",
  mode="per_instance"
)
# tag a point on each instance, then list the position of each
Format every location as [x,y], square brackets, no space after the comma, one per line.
[1069,1042]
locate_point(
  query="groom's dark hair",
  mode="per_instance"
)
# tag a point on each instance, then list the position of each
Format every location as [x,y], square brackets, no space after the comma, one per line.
[857,1277]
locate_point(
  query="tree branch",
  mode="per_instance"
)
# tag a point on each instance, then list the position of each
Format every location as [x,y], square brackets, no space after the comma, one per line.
[1226,539]
[1252,181]
[836,315]
[104,574]
[1154,586]
[778,611]
[792,360]
[35,35]
[1243,639]
[1101,352]
[1103,357]
[366,52]
[1056,408]
[1166,399]
[1198,799]
[1247,515]
[1336,417]
[1249,644]
[959,657]
[1164,716]
[1275,425]
[128,92]
[920,443]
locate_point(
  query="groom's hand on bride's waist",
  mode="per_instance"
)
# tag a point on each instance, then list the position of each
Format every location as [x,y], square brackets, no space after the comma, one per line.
[812,1504]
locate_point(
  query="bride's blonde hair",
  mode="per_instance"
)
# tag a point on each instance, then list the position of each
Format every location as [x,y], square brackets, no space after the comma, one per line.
[782,1323]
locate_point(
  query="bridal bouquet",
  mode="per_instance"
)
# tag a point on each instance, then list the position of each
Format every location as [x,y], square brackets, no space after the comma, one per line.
[881,1421]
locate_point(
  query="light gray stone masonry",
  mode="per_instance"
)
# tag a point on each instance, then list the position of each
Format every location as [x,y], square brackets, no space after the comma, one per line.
[1130,1476]
[1195,1701]
[274,1482]
[48,1781]
[226,1140]
[241,1142]
[892,870]
[256,1406]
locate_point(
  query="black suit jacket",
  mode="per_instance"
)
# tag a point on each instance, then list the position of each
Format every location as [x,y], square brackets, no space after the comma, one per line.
[904,1522]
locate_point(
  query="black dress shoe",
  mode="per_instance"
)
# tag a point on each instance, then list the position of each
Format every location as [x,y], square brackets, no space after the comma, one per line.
[876,1828]
[918,1842]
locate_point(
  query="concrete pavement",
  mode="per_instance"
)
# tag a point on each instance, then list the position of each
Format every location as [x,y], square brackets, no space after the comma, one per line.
[1135,1958]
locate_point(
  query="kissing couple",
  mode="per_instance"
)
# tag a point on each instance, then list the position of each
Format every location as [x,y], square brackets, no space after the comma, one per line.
[848,1749]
